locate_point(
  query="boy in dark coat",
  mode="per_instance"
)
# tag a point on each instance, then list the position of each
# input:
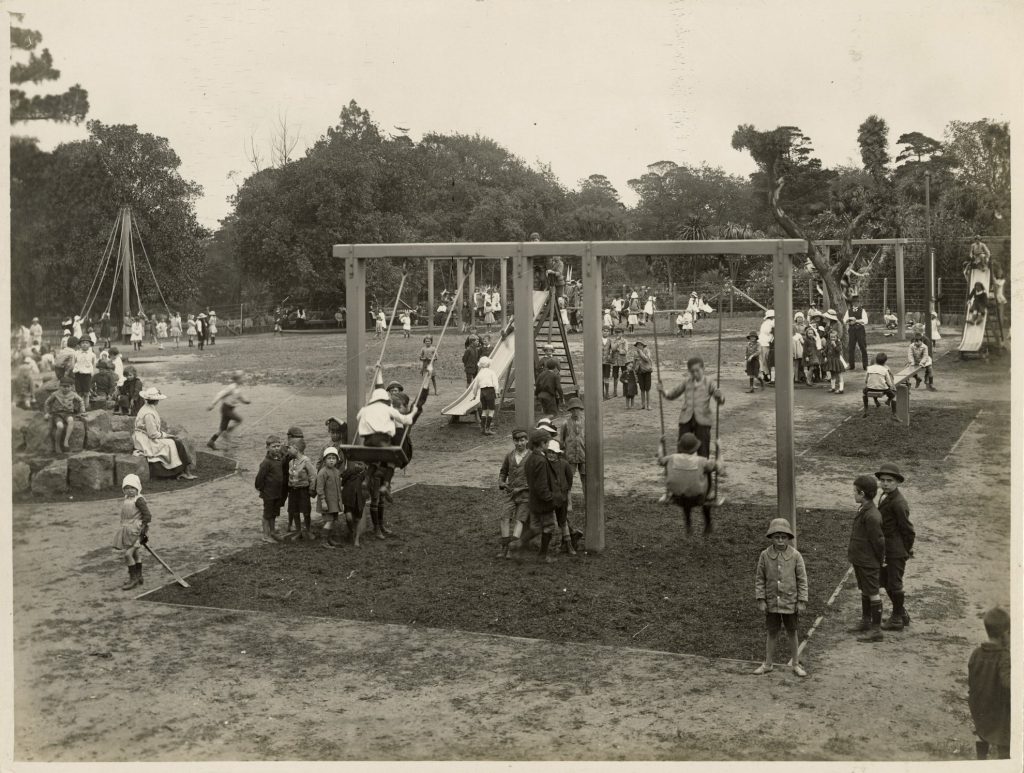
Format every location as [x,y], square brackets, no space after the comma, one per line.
[899,542]
[867,554]
[988,687]
[272,483]
[549,388]
[545,493]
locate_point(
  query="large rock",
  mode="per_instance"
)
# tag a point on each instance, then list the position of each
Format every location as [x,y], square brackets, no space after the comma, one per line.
[17,440]
[97,427]
[122,423]
[125,464]
[186,439]
[51,480]
[37,436]
[77,442]
[90,471]
[21,477]
[45,391]
[116,443]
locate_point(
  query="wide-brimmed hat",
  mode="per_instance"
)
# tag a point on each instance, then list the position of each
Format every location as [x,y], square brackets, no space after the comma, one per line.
[131,479]
[780,526]
[295,431]
[329,451]
[483,362]
[574,402]
[554,445]
[693,294]
[752,334]
[201,316]
[769,314]
[35,319]
[380,396]
[830,314]
[394,385]
[213,314]
[152,393]
[640,343]
[890,469]
[546,425]
[689,443]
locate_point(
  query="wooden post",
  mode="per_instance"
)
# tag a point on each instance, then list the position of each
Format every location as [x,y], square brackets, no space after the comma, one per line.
[355,336]
[593,404]
[430,295]
[460,270]
[885,294]
[938,296]
[522,278]
[782,272]
[503,291]
[471,291]
[126,260]
[901,305]
[903,403]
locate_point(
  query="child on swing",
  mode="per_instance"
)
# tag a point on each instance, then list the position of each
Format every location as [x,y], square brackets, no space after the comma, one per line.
[688,478]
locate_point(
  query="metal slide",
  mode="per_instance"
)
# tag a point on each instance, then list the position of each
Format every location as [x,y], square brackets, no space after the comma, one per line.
[974,333]
[501,356]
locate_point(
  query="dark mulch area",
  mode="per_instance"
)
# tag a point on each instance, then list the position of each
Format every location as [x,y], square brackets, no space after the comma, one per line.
[931,435]
[652,588]
[208,467]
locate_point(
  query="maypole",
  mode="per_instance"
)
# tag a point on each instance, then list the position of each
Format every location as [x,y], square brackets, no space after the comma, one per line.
[127,270]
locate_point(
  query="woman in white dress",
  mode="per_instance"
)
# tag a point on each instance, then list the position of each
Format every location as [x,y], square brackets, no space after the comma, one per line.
[166,451]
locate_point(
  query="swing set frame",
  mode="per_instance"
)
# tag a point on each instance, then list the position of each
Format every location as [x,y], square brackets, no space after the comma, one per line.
[591,254]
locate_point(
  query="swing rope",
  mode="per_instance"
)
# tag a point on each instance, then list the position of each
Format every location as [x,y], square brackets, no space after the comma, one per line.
[387,333]
[657,366]
[718,386]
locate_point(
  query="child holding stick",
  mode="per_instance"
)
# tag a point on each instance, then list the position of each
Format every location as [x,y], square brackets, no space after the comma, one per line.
[134,531]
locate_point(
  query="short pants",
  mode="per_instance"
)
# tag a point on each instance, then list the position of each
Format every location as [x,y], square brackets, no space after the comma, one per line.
[272,508]
[488,398]
[867,579]
[542,522]
[515,509]
[777,620]
[228,415]
[299,502]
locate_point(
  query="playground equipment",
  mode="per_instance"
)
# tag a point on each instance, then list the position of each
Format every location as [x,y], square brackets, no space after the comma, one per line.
[981,337]
[590,254]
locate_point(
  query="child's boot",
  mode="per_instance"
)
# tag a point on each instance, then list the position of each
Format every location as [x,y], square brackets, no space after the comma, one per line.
[383,523]
[131,578]
[545,542]
[375,516]
[874,633]
[567,546]
[895,621]
[930,383]
[503,552]
[865,616]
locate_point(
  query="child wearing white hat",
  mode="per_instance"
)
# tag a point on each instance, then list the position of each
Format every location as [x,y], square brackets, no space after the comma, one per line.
[329,493]
[133,534]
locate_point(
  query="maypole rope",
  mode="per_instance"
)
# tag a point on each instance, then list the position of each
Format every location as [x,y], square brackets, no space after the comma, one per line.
[104,262]
[135,223]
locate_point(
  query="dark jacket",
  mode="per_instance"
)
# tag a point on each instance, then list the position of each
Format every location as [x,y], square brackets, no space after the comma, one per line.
[271,481]
[896,525]
[549,381]
[470,358]
[545,491]
[867,542]
[988,692]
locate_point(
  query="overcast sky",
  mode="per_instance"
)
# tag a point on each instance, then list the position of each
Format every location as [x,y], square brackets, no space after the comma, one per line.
[594,86]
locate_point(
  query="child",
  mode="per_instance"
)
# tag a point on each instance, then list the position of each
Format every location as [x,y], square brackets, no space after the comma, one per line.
[899,543]
[936,337]
[91,335]
[548,388]
[679,324]
[563,477]
[606,362]
[190,330]
[272,485]
[988,687]
[301,487]
[891,322]
[753,357]
[104,383]
[406,321]
[161,332]
[376,426]
[867,554]
[381,324]
[150,327]
[486,385]
[329,493]
[632,320]
[60,409]
[138,331]
[629,384]
[427,354]
[878,382]
[688,478]
[572,439]
[229,398]
[212,327]
[813,346]
[545,494]
[606,320]
[977,303]
[134,531]
[686,326]
[83,369]
[515,510]
[780,588]
[471,357]
[644,369]
[355,492]
[24,384]
[917,355]
[765,338]
[834,362]
[176,328]
[128,394]
[697,392]
[619,351]
[798,357]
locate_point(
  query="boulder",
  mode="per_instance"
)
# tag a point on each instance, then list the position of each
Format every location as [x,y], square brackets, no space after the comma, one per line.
[122,423]
[97,426]
[90,471]
[125,464]
[77,442]
[187,440]
[37,436]
[17,439]
[45,391]
[21,477]
[116,443]
[52,479]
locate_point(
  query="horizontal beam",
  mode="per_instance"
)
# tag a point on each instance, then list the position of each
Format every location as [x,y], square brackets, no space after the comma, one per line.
[865,242]
[753,247]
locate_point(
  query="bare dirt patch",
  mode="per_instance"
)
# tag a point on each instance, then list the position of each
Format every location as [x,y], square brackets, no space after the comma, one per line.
[932,433]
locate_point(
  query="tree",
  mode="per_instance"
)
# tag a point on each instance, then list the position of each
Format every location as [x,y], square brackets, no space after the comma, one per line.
[979,155]
[873,138]
[70,106]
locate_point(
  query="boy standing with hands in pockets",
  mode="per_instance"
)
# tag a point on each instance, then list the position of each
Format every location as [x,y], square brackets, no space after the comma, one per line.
[780,587]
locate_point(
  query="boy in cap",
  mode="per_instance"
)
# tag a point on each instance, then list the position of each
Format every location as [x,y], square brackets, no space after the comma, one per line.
[515,510]
[272,483]
[867,555]
[301,489]
[60,409]
[988,687]
[688,478]
[572,440]
[753,355]
[620,348]
[84,368]
[698,392]
[644,368]
[780,588]
[545,494]
[229,398]
[878,382]
[856,319]
[899,542]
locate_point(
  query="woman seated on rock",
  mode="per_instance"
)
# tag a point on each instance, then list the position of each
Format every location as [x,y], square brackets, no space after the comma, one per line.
[166,451]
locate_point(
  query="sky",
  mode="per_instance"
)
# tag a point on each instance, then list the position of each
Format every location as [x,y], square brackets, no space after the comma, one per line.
[594,86]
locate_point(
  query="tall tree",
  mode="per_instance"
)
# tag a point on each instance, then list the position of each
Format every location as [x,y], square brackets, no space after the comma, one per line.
[70,106]
[873,138]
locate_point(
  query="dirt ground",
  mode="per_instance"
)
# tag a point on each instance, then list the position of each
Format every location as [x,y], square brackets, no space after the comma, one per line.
[159,682]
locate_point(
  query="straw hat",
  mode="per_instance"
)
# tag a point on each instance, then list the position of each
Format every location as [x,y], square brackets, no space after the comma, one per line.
[152,393]
[769,314]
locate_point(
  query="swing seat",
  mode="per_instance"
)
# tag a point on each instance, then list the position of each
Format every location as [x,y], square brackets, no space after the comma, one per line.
[394,455]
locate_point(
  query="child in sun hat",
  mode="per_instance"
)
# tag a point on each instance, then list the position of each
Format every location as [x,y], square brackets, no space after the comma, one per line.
[563,478]
[229,399]
[515,510]
[427,354]
[134,530]
[272,483]
[753,359]
[329,488]
[988,687]
[780,588]
[688,478]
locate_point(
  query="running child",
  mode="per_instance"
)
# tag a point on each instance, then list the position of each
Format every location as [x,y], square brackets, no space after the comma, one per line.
[753,360]
[229,398]
[688,478]
[515,509]
[427,354]
[272,483]
[134,531]
[780,588]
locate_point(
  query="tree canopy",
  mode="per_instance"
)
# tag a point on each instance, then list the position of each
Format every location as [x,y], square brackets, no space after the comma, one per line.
[70,106]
